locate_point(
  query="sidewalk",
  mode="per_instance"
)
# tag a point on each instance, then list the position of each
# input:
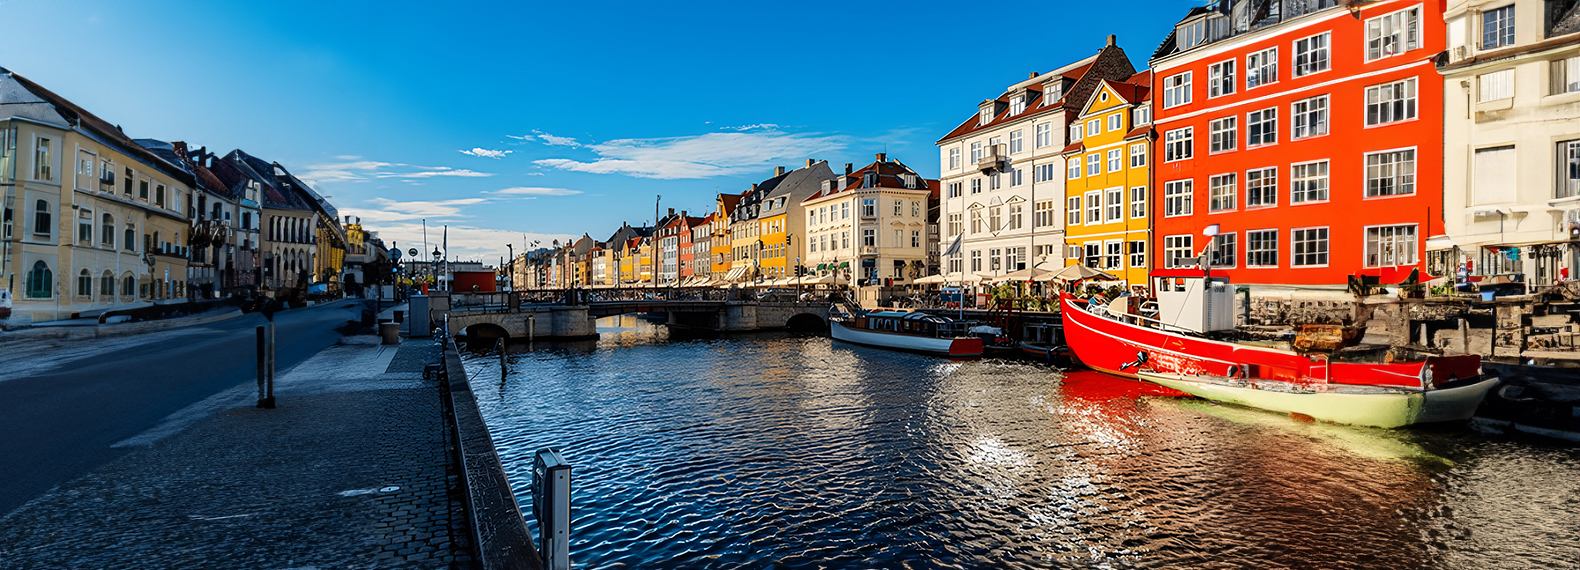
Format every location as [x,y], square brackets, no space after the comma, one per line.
[352,470]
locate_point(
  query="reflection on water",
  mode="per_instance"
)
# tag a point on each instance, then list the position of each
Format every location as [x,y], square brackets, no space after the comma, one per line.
[777,450]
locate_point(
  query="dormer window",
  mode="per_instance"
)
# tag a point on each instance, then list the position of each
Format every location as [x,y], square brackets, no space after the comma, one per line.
[986,114]
[1017,105]
[869,180]
[1075,133]
[1052,91]
[1142,115]
[910,180]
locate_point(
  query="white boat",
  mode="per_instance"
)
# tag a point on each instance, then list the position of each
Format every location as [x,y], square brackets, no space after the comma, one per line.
[1362,405]
[914,332]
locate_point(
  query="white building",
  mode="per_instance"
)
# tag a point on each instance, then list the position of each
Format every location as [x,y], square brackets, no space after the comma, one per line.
[871,224]
[1007,155]
[1511,138]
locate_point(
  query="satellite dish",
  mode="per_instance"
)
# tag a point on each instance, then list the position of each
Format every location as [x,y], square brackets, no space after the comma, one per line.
[1210,231]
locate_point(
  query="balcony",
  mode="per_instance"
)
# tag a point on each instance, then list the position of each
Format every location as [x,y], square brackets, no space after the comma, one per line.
[869,250]
[995,158]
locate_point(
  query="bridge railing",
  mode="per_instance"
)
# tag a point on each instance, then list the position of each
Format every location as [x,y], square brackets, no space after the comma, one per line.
[513,301]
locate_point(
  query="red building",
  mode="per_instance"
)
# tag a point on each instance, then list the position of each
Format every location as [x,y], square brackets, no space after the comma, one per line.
[1309,131]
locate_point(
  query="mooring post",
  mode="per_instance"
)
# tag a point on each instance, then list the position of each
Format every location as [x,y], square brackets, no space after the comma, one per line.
[532,329]
[1464,336]
[1426,340]
[500,345]
[263,363]
[268,399]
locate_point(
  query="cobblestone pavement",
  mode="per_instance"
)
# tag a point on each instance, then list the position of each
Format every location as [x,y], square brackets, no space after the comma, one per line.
[352,470]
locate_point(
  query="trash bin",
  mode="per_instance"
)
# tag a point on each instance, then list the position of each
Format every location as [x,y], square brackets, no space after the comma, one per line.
[390,332]
[400,316]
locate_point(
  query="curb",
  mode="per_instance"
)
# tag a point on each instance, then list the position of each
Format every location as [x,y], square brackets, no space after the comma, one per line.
[500,539]
[113,330]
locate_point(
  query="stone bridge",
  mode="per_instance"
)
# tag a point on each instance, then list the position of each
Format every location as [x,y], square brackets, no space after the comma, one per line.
[561,321]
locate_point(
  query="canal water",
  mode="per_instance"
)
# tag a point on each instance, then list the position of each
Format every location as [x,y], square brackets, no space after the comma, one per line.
[775,450]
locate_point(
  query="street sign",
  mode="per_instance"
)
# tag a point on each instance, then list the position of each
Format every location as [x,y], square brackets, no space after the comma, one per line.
[412,251]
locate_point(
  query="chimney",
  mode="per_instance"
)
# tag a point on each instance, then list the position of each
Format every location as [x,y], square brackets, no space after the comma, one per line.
[754,187]
[1033,75]
[847,168]
[779,171]
[1112,39]
[180,148]
[809,163]
[671,211]
[883,157]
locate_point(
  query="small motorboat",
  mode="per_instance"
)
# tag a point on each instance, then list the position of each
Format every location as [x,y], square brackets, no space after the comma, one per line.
[1362,405]
[1044,352]
[908,331]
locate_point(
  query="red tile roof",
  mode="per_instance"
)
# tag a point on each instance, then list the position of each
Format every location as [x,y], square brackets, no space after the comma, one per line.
[1075,146]
[889,172]
[1035,106]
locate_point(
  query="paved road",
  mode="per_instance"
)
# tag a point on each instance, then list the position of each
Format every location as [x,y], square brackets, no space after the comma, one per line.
[60,422]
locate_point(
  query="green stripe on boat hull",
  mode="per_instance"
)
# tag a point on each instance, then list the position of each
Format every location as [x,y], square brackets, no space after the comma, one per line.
[1382,409]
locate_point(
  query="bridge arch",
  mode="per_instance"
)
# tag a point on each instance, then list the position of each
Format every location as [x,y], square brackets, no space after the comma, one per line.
[485,330]
[806,322]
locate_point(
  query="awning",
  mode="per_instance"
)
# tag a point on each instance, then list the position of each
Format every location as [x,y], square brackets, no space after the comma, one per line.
[930,280]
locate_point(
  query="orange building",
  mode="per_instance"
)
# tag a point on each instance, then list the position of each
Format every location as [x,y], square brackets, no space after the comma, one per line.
[1310,132]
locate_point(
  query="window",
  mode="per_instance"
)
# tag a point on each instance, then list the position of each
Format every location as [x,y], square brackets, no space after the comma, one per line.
[1261,188]
[129,241]
[1310,247]
[107,231]
[1220,79]
[1094,254]
[43,161]
[899,208]
[1222,252]
[128,286]
[128,183]
[1046,172]
[1115,210]
[869,208]
[1042,215]
[107,285]
[1016,142]
[1176,90]
[899,238]
[1261,248]
[844,240]
[1497,27]
[40,281]
[1390,102]
[1223,131]
[976,185]
[1141,116]
[994,262]
[869,237]
[1308,182]
[995,181]
[916,238]
[1261,127]
[1177,144]
[142,189]
[1116,159]
[1116,121]
[985,116]
[1177,252]
[84,227]
[1221,193]
[1138,155]
[976,220]
[1261,68]
[1017,177]
[1075,167]
[954,189]
[976,260]
[1094,127]
[42,218]
[1495,86]
[1113,254]
[1393,34]
[1016,105]
[1565,76]
[84,283]
[956,224]
[916,209]
[1138,253]
[1073,211]
[954,158]
[1389,246]
[1094,207]
[1390,173]
[1310,117]
[1044,134]
[1177,198]
[1016,215]
[1568,169]
[1075,133]
[995,219]
[1311,55]
[1094,164]
[1138,202]
[976,152]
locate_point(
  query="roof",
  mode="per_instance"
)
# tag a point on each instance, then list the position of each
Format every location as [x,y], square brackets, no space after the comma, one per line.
[1036,105]
[889,175]
[1074,147]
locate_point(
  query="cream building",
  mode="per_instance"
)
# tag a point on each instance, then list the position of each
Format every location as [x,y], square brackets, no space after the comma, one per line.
[870,225]
[1511,138]
[92,220]
[1005,164]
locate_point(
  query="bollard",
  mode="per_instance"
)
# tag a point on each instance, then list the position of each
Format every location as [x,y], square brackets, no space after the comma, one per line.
[551,506]
[263,364]
[390,332]
[1464,336]
[500,346]
[267,399]
[532,328]
[1426,340]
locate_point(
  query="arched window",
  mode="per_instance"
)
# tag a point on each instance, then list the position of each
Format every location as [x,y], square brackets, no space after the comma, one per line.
[40,281]
[41,218]
[108,233]
[84,283]
[107,285]
[128,286]
[130,241]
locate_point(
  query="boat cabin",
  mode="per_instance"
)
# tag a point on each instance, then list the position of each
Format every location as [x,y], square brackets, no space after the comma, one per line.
[1193,301]
[912,323]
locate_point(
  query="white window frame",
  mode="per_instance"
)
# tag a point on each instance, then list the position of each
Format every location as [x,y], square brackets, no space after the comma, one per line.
[1227,184]
[1116,161]
[1094,164]
[1017,141]
[1257,255]
[1407,32]
[1137,255]
[1179,252]
[1261,68]
[1178,144]
[1217,243]
[1074,167]
[1296,238]
[1391,102]
[1222,134]
[1310,54]
[1178,196]
[1298,119]
[1374,245]
[1222,79]
[1094,207]
[1138,155]
[1114,205]
[1297,178]
[1266,122]
[1408,159]
[954,158]
[1116,121]
[1044,134]
[1138,202]
[1261,176]
[1177,90]
[1073,211]
[1495,86]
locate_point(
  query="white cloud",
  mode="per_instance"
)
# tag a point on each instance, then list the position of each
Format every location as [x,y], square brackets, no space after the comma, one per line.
[534,191]
[360,171]
[347,157]
[547,139]
[759,126]
[464,173]
[486,153]
[387,210]
[701,156]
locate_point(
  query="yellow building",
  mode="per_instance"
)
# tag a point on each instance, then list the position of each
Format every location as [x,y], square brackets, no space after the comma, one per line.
[720,241]
[1108,180]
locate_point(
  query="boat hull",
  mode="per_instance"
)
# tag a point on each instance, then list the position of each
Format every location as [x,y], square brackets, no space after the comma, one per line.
[953,347]
[1383,409]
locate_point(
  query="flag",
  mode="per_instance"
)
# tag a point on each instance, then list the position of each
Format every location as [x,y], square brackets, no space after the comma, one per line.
[954,248]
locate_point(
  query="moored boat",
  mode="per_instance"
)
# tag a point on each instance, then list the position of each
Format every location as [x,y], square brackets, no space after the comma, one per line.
[1169,343]
[909,331]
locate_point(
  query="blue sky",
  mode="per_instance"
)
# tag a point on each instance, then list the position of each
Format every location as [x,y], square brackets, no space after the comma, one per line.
[547,119]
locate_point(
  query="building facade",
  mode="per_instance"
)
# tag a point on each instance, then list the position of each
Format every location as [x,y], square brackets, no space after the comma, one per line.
[1108,181]
[1308,132]
[1011,152]
[1511,178]
[870,225]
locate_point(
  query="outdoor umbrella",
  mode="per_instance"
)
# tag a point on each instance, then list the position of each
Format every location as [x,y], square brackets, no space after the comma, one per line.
[1027,274]
[1075,273]
[931,280]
